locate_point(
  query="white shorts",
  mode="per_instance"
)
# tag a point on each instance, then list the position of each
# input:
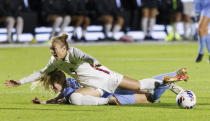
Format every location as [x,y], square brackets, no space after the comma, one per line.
[101,78]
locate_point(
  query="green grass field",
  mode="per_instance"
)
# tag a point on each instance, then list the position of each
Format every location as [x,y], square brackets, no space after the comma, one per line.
[134,60]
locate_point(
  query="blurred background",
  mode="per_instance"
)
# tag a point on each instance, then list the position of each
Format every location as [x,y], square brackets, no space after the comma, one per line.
[36,21]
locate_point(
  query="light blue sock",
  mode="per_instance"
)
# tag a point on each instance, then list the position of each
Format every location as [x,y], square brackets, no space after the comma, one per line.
[157,92]
[208,43]
[201,41]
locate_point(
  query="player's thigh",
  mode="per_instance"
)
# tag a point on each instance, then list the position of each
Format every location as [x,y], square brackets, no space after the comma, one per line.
[129,83]
[141,98]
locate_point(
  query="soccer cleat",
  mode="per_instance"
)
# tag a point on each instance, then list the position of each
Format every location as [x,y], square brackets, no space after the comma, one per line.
[33,41]
[180,76]
[113,100]
[199,58]
[182,71]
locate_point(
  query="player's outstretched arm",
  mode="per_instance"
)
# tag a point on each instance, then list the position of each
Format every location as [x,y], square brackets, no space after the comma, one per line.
[57,100]
[12,83]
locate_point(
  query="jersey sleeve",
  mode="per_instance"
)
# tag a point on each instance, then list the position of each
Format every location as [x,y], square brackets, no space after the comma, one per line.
[83,56]
[37,75]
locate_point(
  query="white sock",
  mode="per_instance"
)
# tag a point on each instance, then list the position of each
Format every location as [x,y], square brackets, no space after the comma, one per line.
[176,27]
[175,88]
[56,24]
[187,29]
[79,99]
[19,27]
[108,28]
[152,22]
[75,31]
[66,21]
[149,83]
[10,24]
[116,29]
[84,33]
[144,25]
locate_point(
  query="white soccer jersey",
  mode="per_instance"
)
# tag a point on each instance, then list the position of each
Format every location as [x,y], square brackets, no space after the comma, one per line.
[73,59]
[77,65]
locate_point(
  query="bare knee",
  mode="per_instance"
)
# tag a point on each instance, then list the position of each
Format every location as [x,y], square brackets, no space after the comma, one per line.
[202,30]
[120,21]
[10,20]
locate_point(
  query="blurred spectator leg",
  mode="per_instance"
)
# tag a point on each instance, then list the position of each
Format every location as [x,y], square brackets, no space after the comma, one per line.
[78,20]
[152,21]
[19,27]
[117,27]
[10,24]
[57,20]
[178,17]
[66,21]
[187,27]
[84,28]
[144,22]
[107,20]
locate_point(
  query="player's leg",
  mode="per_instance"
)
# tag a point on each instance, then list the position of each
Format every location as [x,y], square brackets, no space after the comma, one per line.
[202,36]
[157,92]
[206,14]
[88,96]
[130,97]
[132,84]
[203,33]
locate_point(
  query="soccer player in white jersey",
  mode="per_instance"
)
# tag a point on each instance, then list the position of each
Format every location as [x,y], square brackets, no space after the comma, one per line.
[71,92]
[88,71]
[202,7]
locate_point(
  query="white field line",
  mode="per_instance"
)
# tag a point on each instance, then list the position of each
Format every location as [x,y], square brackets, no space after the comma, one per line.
[96,44]
[148,59]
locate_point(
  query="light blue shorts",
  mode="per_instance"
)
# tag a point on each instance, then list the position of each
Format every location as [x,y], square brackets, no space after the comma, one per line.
[206,12]
[125,96]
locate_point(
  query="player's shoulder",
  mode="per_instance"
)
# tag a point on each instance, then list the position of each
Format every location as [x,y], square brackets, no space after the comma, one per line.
[70,79]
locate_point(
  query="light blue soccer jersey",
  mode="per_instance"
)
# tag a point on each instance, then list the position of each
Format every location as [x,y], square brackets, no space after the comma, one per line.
[72,86]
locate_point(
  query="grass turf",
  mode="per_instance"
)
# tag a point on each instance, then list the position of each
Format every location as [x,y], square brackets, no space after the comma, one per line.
[136,61]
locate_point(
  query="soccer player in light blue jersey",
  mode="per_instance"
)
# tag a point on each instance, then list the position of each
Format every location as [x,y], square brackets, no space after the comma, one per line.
[70,94]
[202,7]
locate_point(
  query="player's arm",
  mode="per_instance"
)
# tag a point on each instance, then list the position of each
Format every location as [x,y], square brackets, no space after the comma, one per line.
[57,100]
[33,77]
[85,57]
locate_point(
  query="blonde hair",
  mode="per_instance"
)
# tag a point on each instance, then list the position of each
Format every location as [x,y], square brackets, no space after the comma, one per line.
[61,39]
[49,79]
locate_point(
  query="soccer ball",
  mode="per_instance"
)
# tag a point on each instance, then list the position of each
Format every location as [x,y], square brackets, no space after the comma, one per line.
[186,99]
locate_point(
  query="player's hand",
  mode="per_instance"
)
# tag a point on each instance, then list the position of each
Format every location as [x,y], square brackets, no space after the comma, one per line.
[12,83]
[36,101]
[95,66]
[98,65]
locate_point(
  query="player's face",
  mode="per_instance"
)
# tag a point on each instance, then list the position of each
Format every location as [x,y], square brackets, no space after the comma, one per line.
[56,87]
[58,51]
